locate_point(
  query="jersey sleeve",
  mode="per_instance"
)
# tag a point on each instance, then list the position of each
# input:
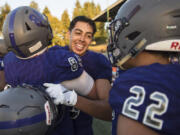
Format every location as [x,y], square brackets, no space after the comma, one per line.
[104,68]
[66,64]
[97,65]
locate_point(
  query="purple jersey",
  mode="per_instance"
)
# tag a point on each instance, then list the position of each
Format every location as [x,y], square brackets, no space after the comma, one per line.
[98,67]
[149,95]
[53,66]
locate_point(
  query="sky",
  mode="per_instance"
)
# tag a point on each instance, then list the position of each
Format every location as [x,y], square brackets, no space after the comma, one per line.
[56,7]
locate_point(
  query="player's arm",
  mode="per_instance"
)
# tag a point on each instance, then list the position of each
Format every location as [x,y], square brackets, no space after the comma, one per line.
[2,80]
[92,97]
[127,126]
[84,85]
[2,75]
[67,92]
[100,107]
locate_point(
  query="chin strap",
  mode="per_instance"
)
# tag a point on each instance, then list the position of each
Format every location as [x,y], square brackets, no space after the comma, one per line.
[132,53]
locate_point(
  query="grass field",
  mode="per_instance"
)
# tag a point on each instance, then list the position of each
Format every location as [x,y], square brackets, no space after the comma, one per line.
[101,127]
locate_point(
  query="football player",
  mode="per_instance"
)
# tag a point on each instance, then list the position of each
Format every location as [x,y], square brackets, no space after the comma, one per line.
[145,42]
[27,34]
[81,32]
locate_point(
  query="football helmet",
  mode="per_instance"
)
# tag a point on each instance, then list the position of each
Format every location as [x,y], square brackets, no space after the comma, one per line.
[26,31]
[144,25]
[26,110]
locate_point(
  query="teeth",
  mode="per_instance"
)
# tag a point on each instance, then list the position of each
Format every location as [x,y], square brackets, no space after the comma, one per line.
[79,46]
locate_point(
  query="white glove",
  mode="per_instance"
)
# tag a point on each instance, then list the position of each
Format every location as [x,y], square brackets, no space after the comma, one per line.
[60,94]
[70,98]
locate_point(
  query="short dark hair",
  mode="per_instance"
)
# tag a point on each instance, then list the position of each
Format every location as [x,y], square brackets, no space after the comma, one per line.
[83,19]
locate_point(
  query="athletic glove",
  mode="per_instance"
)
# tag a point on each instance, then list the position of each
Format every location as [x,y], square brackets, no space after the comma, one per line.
[60,94]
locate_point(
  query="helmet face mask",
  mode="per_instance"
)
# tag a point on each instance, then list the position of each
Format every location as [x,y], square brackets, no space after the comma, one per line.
[26,31]
[115,52]
[116,27]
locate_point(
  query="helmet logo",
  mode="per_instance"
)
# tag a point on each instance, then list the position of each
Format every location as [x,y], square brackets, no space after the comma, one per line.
[171,27]
[175,45]
[165,45]
[36,20]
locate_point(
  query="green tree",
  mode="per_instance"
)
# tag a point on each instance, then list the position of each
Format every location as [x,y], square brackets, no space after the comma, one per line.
[4,10]
[34,5]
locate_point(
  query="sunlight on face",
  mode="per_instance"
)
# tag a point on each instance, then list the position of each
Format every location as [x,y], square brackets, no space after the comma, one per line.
[80,37]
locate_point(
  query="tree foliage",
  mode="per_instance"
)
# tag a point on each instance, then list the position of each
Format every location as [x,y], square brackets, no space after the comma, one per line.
[4,10]
[77,10]
[46,11]
[34,5]
[55,25]
[60,25]
[90,10]
[64,24]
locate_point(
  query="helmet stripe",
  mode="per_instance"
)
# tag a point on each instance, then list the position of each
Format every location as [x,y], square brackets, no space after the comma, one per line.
[11,32]
[23,122]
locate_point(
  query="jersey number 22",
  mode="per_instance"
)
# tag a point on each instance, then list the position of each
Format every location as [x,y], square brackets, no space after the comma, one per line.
[151,110]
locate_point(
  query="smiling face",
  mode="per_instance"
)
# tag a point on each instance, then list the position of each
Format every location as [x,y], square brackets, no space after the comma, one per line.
[80,37]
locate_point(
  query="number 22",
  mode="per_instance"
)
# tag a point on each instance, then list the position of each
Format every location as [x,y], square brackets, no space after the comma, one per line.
[151,110]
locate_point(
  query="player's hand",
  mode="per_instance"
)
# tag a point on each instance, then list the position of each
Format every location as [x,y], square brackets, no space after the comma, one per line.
[70,98]
[60,94]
